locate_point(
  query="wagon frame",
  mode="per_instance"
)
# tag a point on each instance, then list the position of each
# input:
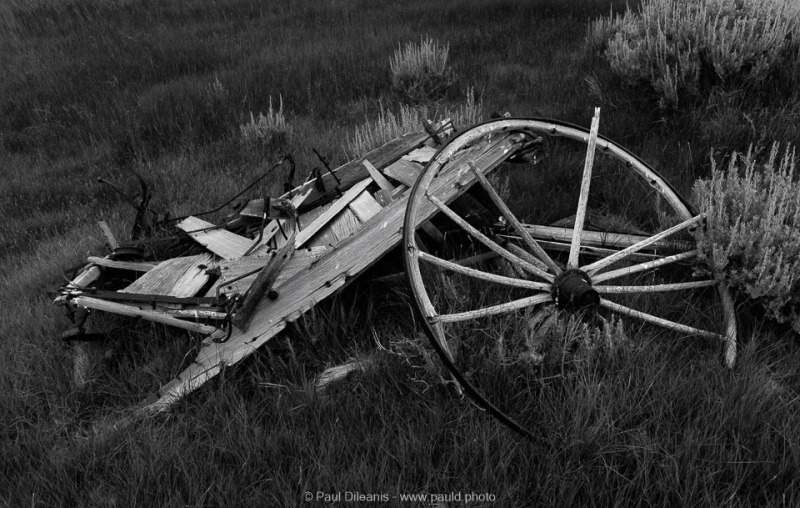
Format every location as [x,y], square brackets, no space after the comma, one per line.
[333,227]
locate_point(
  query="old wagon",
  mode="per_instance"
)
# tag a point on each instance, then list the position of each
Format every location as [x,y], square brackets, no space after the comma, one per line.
[488,251]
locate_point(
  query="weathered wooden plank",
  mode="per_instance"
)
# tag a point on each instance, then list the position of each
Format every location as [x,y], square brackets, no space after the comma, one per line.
[365,206]
[344,225]
[265,279]
[221,242]
[337,206]
[135,266]
[423,155]
[308,218]
[180,277]
[110,238]
[376,175]
[322,278]
[235,268]
[404,171]
[353,172]
[131,311]
[274,226]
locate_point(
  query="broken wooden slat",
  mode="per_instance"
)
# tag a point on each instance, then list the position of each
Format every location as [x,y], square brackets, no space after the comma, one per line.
[131,311]
[110,238]
[235,268]
[180,277]
[263,283]
[337,206]
[404,171]
[334,374]
[384,195]
[364,206]
[321,279]
[423,155]
[353,172]
[221,242]
[308,218]
[342,226]
[276,225]
[134,266]
[376,175]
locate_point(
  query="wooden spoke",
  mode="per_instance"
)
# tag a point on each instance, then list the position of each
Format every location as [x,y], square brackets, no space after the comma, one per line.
[493,310]
[588,250]
[599,238]
[583,198]
[471,272]
[487,242]
[649,318]
[523,254]
[621,272]
[512,219]
[599,265]
[477,258]
[657,288]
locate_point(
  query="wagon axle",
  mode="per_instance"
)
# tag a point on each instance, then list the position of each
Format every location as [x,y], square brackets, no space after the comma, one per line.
[572,290]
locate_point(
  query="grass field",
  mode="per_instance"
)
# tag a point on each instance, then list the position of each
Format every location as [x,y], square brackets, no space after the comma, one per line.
[93,88]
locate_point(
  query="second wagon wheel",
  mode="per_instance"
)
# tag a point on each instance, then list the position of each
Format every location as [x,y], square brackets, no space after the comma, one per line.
[534,221]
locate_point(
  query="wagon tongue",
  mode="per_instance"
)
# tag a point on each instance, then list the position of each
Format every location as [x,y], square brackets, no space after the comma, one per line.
[572,290]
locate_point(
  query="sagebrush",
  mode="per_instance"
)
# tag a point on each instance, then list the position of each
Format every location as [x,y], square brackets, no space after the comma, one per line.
[680,49]
[268,129]
[389,125]
[420,73]
[752,234]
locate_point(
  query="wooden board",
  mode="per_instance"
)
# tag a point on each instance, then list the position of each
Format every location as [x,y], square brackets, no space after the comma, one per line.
[365,206]
[342,226]
[353,172]
[135,266]
[180,277]
[340,204]
[404,171]
[221,242]
[234,269]
[322,278]
[376,175]
[272,229]
[423,155]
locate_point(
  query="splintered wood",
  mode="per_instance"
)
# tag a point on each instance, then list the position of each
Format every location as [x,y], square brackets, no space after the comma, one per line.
[325,276]
[180,277]
[347,222]
[221,242]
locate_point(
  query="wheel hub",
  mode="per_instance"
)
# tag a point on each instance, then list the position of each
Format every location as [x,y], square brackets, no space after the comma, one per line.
[572,290]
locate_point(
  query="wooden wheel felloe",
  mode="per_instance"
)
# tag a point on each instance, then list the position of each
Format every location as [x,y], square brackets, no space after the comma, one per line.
[612,239]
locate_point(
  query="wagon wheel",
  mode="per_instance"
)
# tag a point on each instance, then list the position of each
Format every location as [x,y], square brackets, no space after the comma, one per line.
[623,248]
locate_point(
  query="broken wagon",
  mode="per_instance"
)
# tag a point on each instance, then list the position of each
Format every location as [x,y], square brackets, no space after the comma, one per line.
[498,225]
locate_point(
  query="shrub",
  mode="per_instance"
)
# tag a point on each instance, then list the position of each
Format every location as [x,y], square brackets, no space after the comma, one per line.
[420,72]
[267,130]
[682,48]
[752,234]
[389,125]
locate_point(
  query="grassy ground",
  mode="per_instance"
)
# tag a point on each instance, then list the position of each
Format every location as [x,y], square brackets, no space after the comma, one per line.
[94,88]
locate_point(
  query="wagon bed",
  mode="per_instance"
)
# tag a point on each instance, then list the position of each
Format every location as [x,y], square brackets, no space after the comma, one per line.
[243,290]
